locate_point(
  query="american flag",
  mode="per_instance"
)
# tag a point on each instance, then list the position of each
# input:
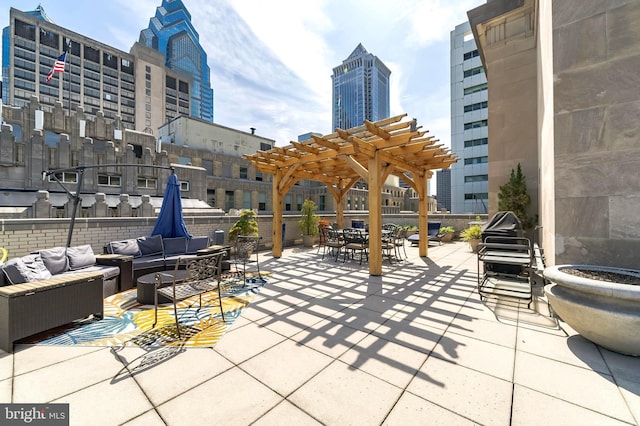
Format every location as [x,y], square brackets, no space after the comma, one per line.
[58,66]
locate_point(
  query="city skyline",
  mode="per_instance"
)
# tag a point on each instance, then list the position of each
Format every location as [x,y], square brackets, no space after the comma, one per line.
[266,77]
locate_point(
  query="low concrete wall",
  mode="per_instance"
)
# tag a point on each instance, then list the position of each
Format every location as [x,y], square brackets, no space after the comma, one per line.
[22,236]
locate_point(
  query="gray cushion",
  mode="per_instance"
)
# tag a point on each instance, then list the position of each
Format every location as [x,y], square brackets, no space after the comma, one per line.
[126,247]
[55,259]
[177,245]
[80,257]
[197,243]
[25,269]
[150,246]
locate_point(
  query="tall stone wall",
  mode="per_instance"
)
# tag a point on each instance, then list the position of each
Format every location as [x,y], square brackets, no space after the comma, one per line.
[596,58]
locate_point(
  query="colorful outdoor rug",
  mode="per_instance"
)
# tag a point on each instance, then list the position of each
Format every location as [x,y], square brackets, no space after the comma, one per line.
[128,323]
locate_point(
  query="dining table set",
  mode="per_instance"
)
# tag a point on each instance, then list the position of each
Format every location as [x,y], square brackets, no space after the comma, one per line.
[353,243]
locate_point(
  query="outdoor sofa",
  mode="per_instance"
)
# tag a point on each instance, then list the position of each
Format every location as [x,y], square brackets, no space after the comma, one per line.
[155,253]
[52,287]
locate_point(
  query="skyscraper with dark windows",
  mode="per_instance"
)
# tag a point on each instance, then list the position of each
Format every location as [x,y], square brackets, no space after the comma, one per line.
[360,90]
[171,32]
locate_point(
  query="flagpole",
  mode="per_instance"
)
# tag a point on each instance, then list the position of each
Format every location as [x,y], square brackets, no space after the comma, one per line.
[68,59]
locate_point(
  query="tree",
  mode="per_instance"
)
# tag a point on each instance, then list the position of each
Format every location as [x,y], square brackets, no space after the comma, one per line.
[513,197]
[245,225]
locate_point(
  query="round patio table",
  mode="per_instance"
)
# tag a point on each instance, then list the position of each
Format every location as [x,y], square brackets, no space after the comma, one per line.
[146,285]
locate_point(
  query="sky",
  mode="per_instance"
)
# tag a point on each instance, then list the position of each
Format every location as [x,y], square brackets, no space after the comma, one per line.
[271,61]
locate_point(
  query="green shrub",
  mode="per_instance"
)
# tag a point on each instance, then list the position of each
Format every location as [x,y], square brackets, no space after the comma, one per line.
[246,225]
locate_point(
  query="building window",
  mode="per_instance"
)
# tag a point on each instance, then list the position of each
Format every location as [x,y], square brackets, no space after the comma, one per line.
[287,202]
[259,176]
[208,166]
[49,38]
[91,54]
[299,202]
[473,71]
[475,107]
[171,83]
[476,178]
[184,186]
[25,30]
[475,89]
[471,54]
[476,160]
[246,200]
[476,142]
[147,183]
[243,173]
[147,76]
[322,202]
[64,177]
[109,180]
[147,68]
[109,60]
[476,196]
[262,201]
[265,146]
[476,124]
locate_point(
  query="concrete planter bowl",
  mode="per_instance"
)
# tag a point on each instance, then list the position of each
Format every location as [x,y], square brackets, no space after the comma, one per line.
[605,312]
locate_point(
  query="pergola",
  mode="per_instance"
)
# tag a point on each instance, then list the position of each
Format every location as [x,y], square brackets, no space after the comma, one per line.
[371,152]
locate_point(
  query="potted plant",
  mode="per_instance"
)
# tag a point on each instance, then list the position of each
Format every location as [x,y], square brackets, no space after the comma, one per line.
[308,223]
[245,225]
[447,234]
[473,236]
[410,230]
[599,302]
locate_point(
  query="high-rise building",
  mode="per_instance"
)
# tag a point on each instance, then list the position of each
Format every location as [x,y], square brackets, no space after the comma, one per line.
[137,86]
[360,90]
[469,125]
[443,188]
[171,32]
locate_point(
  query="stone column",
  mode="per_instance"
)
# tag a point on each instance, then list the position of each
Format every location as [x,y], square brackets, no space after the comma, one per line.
[101,209]
[146,208]
[42,206]
[124,208]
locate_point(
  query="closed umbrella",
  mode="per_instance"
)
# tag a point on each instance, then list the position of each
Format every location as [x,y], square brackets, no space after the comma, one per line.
[170,221]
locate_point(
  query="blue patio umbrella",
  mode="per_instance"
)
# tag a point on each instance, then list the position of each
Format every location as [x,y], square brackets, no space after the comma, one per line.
[170,221]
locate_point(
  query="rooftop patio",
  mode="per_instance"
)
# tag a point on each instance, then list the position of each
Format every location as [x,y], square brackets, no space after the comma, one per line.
[326,342]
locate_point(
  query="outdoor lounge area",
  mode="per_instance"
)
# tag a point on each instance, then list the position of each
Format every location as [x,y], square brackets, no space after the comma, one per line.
[325,342]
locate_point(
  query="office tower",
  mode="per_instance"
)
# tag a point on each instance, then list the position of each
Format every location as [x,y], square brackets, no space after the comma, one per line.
[171,33]
[443,188]
[469,125]
[360,90]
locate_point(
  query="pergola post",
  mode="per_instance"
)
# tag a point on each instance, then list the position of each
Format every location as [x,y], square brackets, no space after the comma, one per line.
[375,215]
[423,215]
[276,241]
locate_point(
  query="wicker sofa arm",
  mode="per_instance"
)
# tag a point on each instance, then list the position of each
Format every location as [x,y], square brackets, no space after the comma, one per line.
[124,262]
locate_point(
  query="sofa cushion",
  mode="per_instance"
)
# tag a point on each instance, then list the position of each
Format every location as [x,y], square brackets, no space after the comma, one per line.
[146,262]
[173,246]
[126,247]
[55,259]
[197,243]
[108,272]
[25,269]
[150,246]
[80,257]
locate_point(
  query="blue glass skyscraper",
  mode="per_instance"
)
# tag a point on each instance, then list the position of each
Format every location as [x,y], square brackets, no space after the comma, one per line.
[171,32]
[360,90]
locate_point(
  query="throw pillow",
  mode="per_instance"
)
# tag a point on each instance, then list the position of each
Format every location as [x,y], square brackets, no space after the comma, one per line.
[26,269]
[126,247]
[150,246]
[55,260]
[80,257]
[197,243]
